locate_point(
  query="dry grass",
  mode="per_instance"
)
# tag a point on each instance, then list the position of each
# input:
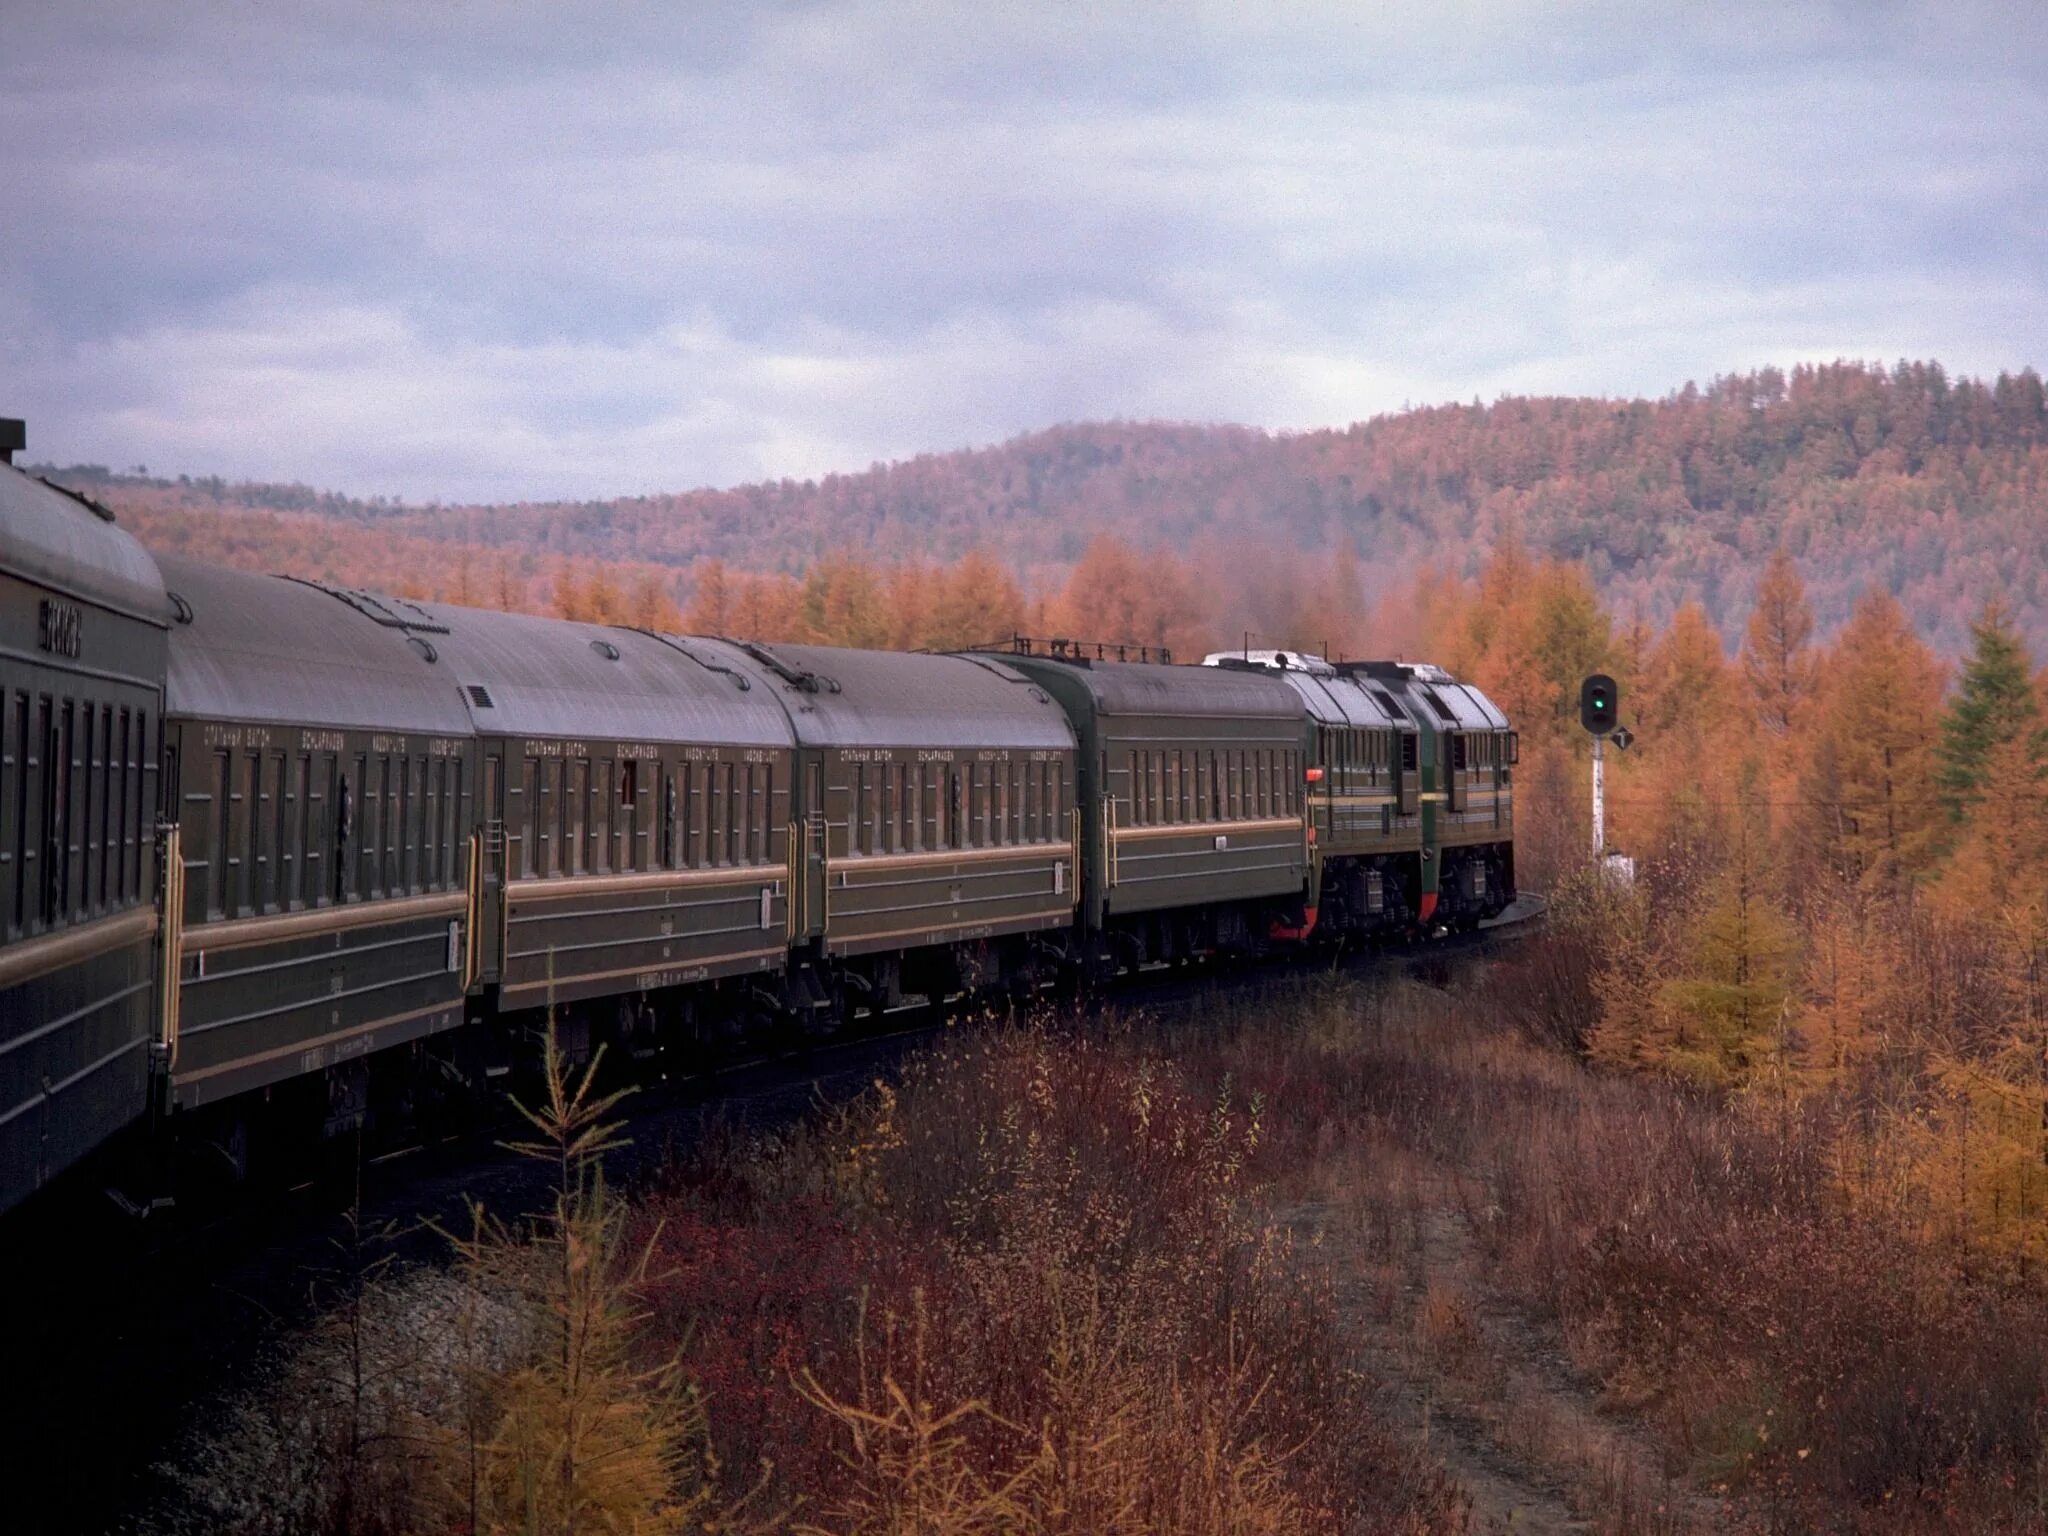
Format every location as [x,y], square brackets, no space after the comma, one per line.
[1357,1257]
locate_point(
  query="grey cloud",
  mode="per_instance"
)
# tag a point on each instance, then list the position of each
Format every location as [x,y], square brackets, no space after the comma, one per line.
[506,250]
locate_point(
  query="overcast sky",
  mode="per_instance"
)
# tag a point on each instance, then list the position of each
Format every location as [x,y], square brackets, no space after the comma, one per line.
[471,249]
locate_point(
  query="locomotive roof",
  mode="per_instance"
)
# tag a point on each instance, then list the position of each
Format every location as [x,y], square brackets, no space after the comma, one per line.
[560,678]
[1148,688]
[849,698]
[269,649]
[1335,698]
[1349,693]
[62,541]
[1439,701]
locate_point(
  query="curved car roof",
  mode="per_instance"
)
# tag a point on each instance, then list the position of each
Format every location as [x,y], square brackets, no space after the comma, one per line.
[1459,706]
[556,677]
[1149,688]
[1338,699]
[53,537]
[849,698]
[269,649]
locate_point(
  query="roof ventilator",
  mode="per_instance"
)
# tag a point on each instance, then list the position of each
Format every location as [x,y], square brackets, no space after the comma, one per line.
[739,679]
[392,613]
[796,677]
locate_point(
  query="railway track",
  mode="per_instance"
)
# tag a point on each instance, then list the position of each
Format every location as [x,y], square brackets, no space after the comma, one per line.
[116,1326]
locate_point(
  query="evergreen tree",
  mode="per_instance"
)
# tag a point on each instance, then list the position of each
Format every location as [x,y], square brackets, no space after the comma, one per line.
[1994,705]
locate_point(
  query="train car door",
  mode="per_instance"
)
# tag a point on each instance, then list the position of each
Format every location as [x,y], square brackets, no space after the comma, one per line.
[812,855]
[490,836]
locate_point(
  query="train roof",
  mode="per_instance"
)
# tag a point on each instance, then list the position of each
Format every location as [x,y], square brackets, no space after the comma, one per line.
[523,675]
[71,545]
[269,649]
[1359,693]
[851,698]
[1442,701]
[1150,688]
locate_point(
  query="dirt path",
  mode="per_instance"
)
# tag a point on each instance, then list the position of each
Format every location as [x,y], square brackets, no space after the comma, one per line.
[1487,1389]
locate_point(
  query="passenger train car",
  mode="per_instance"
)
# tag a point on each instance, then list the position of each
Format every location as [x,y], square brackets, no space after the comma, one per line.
[82,623]
[281,860]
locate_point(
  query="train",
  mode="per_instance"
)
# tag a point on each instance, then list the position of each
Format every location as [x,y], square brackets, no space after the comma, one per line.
[282,860]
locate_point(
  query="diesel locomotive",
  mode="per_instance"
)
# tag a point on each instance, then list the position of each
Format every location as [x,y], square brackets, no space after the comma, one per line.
[283,859]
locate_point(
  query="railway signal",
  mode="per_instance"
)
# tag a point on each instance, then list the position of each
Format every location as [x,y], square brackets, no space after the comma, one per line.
[1599,712]
[1599,704]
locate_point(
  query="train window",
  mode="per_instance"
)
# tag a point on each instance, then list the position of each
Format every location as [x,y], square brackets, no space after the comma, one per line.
[626,854]
[57,778]
[665,852]
[10,823]
[1003,772]
[748,850]
[734,834]
[412,823]
[255,830]
[453,871]
[427,786]
[714,816]
[391,778]
[565,823]
[120,789]
[92,832]
[217,845]
[530,863]
[1408,751]
[960,805]
[1459,752]
[602,830]
[740,807]
[35,810]
[574,861]
[339,813]
[292,893]
[107,787]
[696,837]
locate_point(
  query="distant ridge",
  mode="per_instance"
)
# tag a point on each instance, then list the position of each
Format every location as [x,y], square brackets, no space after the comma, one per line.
[1934,487]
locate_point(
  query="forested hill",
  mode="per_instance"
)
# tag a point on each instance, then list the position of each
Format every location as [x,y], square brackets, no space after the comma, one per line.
[1935,487]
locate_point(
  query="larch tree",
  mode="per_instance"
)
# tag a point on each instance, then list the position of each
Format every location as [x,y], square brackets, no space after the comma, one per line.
[652,606]
[710,610]
[974,602]
[1777,658]
[1119,594]
[1883,696]
[844,604]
